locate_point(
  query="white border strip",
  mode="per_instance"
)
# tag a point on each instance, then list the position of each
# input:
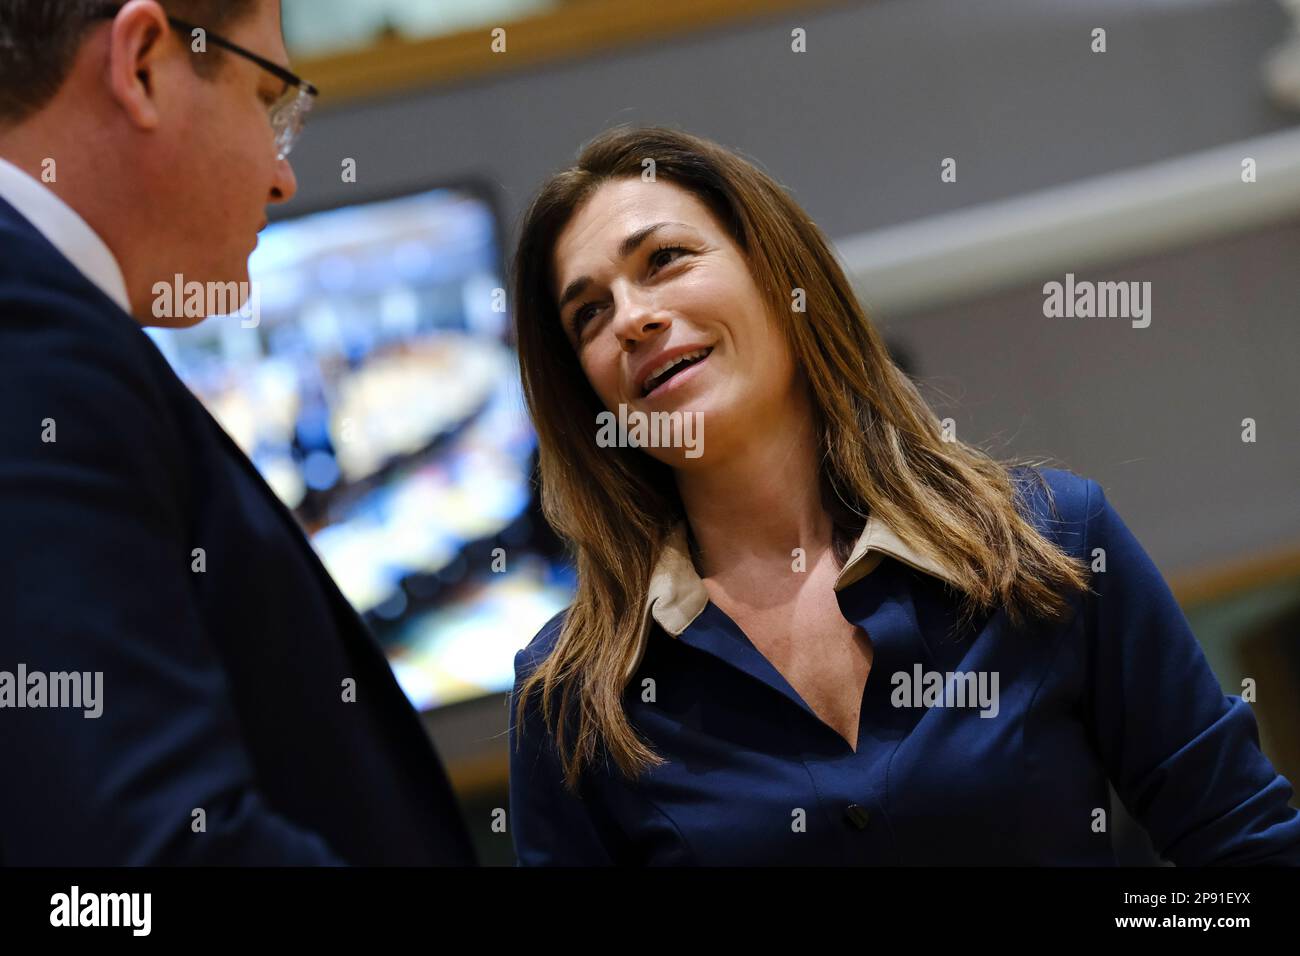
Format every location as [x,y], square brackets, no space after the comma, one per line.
[979,250]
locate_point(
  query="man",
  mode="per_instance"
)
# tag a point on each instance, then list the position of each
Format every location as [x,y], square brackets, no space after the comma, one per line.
[180,680]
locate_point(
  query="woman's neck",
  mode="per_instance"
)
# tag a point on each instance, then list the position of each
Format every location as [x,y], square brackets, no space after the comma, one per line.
[759,504]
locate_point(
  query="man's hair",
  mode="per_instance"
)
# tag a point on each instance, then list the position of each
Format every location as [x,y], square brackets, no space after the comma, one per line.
[39,40]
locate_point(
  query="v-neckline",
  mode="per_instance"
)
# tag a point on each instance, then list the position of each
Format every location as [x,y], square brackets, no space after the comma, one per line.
[771,675]
[881,604]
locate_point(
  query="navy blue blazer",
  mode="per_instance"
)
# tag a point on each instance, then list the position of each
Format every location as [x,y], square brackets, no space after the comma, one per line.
[951,769]
[222,689]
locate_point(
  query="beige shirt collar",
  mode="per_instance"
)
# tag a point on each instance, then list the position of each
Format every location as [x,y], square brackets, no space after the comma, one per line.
[677,595]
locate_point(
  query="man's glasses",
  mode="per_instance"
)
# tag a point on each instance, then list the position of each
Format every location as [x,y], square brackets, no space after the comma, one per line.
[288,113]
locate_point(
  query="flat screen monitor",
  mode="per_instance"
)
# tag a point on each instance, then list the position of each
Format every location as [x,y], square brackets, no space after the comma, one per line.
[377,392]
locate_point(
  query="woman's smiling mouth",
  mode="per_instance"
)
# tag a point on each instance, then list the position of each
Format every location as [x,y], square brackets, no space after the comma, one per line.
[670,370]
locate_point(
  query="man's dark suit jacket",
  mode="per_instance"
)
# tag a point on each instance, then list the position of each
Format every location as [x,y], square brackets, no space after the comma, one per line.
[223,689]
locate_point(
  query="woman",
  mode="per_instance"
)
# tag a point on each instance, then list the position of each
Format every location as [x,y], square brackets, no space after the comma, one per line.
[824,633]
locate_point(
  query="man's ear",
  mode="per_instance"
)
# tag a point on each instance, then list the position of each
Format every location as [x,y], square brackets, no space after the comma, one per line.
[137,50]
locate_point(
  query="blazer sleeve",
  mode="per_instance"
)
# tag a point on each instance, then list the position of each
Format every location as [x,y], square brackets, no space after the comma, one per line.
[98,579]
[1183,757]
[550,826]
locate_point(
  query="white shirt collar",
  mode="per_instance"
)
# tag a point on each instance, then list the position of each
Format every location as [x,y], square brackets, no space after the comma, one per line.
[66,231]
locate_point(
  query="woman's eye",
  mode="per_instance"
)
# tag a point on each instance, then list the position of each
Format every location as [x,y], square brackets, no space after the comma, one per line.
[581,317]
[660,258]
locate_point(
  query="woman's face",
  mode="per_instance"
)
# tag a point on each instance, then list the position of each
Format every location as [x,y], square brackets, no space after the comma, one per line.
[645,275]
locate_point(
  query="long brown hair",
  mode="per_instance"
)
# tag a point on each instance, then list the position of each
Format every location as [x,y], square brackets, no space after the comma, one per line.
[884,451]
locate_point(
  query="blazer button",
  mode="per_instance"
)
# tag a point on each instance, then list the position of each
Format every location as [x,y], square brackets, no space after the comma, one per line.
[857,815]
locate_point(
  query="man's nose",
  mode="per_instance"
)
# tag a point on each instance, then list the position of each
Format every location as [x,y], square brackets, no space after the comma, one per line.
[285,185]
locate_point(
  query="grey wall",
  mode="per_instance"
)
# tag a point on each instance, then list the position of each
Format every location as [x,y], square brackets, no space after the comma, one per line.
[856,128]
[1154,413]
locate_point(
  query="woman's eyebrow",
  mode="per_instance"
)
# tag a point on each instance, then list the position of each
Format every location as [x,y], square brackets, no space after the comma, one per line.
[625,248]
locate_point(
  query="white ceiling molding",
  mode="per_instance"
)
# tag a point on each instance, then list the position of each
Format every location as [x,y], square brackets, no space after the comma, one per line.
[1040,235]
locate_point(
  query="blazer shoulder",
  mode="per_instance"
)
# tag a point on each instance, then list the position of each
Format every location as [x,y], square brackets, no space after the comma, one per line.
[73,323]
[67,353]
[1059,503]
[61,333]
[531,655]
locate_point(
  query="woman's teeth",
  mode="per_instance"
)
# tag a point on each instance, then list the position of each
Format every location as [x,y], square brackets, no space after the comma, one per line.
[657,377]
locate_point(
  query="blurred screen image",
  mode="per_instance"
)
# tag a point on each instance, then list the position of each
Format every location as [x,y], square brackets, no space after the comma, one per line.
[377,393]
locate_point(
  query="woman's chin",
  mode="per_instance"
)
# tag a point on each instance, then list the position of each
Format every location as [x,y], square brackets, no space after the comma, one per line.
[697,431]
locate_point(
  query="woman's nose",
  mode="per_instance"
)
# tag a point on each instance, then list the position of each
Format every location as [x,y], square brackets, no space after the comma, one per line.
[636,319]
